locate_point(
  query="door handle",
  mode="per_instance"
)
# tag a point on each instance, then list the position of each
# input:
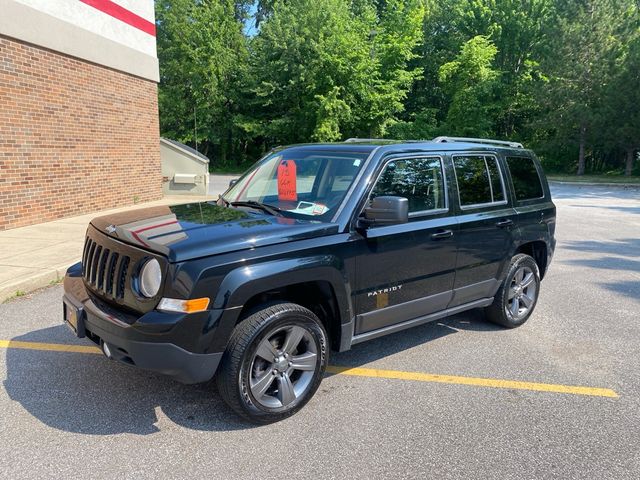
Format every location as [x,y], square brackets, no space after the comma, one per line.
[504,223]
[441,234]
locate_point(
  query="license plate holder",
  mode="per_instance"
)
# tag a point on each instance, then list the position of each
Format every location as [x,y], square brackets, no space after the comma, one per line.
[74,318]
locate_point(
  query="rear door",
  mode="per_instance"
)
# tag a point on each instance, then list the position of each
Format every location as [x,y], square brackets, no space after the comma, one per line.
[487,223]
[406,271]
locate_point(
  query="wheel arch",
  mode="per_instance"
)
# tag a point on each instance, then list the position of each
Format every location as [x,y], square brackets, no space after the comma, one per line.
[538,250]
[316,283]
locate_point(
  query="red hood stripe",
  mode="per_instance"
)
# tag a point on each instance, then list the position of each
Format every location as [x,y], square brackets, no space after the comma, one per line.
[122,14]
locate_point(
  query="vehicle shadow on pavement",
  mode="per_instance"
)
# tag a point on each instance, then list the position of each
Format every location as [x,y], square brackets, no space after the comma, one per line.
[379,348]
[88,394]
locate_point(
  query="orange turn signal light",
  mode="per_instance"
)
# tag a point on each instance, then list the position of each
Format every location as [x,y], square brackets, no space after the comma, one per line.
[196,305]
[184,306]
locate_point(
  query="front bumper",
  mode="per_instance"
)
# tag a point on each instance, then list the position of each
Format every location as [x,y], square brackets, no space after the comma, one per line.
[146,343]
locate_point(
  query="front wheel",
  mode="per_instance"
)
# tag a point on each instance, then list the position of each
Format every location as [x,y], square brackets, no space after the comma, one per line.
[517,297]
[274,363]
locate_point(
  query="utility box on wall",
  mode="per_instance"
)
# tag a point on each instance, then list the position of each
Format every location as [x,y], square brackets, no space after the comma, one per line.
[184,170]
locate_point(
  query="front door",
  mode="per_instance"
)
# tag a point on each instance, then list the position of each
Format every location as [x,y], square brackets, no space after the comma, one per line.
[407,271]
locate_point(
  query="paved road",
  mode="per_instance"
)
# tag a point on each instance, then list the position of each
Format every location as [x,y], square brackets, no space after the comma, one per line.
[75,415]
[219,183]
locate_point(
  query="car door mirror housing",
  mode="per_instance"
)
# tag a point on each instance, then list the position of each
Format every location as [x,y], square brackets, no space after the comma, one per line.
[387,210]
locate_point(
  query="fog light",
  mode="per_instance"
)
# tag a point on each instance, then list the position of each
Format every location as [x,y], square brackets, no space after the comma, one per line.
[183,306]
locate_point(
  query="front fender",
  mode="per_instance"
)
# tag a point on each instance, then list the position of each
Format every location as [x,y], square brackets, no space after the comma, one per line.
[242,283]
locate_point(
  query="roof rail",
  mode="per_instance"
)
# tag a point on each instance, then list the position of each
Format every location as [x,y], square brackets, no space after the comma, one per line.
[363,140]
[389,140]
[478,140]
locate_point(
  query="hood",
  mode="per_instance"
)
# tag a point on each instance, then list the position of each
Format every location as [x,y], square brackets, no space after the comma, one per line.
[193,230]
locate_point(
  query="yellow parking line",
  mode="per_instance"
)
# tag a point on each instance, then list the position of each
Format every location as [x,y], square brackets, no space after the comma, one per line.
[474,381]
[53,347]
[373,373]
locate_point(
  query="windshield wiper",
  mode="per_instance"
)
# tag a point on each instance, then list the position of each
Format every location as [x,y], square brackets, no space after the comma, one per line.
[270,209]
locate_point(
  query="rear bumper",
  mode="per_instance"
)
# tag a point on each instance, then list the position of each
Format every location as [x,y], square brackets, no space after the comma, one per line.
[132,345]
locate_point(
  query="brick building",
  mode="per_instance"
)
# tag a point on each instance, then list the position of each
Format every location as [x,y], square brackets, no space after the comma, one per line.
[78,108]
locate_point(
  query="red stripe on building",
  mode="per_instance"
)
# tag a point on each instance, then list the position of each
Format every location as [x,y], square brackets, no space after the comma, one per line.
[122,14]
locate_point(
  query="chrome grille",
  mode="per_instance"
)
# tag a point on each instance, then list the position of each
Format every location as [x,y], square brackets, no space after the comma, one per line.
[104,270]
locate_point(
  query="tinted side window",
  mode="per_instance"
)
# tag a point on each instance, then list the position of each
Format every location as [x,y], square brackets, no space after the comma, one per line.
[497,191]
[478,179]
[525,177]
[420,180]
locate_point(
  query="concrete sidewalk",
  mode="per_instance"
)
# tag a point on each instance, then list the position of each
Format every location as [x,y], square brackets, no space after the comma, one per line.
[38,255]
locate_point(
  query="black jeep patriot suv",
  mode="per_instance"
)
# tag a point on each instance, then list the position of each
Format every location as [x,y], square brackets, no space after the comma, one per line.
[316,247]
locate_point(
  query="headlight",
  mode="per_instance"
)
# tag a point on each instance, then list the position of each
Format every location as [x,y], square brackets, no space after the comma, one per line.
[150,278]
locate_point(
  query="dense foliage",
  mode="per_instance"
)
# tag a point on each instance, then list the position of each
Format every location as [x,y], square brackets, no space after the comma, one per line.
[563,76]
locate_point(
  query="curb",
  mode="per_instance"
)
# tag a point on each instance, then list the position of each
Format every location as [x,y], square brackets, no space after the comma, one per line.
[33,282]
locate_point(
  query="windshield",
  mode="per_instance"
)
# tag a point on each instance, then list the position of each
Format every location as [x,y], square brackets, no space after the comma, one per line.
[300,182]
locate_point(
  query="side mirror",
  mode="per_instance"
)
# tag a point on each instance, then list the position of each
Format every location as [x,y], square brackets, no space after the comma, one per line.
[233,182]
[387,211]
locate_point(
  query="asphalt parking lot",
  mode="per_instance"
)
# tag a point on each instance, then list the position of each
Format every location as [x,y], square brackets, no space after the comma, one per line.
[427,402]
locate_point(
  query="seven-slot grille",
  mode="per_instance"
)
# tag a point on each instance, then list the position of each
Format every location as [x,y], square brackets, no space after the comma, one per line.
[104,270]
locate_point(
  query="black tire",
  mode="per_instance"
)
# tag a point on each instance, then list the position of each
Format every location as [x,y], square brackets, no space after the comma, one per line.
[502,310]
[243,368]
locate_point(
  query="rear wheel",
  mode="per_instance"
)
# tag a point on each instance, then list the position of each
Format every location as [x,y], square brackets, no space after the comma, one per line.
[274,363]
[517,297]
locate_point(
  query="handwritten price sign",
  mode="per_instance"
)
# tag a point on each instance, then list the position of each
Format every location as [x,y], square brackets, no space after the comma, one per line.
[287,189]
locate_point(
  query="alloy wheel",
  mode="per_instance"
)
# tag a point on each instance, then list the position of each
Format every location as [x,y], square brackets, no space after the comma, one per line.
[283,366]
[522,293]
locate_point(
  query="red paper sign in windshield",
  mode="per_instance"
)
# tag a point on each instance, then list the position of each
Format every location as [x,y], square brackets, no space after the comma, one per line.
[287,190]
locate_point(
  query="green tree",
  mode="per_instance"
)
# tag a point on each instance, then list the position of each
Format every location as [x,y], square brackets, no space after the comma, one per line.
[560,75]
[470,81]
[620,117]
[395,33]
[306,59]
[584,53]
[324,69]
[203,58]
[520,30]
[427,103]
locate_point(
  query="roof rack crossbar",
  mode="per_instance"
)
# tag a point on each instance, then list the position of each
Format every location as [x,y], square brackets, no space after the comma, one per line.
[478,140]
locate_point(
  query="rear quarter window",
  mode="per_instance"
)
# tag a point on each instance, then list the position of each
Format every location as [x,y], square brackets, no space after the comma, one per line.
[525,177]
